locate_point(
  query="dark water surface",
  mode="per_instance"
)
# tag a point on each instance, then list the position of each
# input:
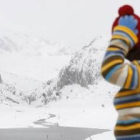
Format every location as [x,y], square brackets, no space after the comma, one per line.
[52,133]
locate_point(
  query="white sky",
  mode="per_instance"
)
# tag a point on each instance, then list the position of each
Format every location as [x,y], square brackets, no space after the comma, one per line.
[73,22]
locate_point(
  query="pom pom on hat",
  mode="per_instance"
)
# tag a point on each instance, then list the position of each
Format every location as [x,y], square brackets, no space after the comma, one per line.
[126,10]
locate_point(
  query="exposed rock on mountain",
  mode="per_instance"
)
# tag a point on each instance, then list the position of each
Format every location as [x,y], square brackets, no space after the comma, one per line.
[84,67]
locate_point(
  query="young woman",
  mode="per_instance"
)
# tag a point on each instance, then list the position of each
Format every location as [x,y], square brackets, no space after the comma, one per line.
[123,45]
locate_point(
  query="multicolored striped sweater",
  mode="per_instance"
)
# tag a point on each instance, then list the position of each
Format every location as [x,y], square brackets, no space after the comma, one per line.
[126,75]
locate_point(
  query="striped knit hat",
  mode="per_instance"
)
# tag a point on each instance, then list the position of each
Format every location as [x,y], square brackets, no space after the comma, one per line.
[128,10]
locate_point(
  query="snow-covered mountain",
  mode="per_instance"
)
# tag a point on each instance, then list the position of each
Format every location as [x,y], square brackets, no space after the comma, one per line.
[30,45]
[83,69]
[8,93]
[27,61]
[39,79]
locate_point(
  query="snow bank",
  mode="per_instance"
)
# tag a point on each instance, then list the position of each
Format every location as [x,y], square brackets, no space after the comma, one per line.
[103,136]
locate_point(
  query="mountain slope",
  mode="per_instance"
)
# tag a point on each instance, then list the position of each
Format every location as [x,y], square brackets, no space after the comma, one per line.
[30,45]
[84,67]
[27,61]
[42,87]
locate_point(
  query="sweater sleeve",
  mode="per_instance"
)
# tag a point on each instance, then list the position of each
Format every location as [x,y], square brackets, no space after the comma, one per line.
[114,68]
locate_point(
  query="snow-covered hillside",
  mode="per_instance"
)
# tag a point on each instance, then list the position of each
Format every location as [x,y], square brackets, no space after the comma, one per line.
[39,79]
[84,67]
[26,62]
[78,107]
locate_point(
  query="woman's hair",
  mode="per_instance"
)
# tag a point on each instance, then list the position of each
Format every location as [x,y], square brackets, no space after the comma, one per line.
[133,54]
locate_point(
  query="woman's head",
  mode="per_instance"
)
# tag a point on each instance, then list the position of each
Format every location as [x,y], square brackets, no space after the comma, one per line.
[128,10]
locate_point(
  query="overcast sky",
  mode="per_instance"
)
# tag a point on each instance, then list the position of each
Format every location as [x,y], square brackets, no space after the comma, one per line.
[73,22]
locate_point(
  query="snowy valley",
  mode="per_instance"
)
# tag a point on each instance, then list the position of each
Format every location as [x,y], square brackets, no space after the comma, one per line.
[44,83]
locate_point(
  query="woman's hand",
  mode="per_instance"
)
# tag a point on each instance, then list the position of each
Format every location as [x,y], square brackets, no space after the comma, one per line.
[129,22]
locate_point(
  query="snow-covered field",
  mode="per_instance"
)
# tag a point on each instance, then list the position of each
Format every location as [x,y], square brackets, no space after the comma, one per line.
[106,135]
[80,110]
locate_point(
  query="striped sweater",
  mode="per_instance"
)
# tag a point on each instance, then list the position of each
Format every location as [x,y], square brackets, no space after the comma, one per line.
[117,71]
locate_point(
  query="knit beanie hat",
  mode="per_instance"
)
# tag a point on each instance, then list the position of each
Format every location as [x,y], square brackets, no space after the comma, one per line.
[128,10]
